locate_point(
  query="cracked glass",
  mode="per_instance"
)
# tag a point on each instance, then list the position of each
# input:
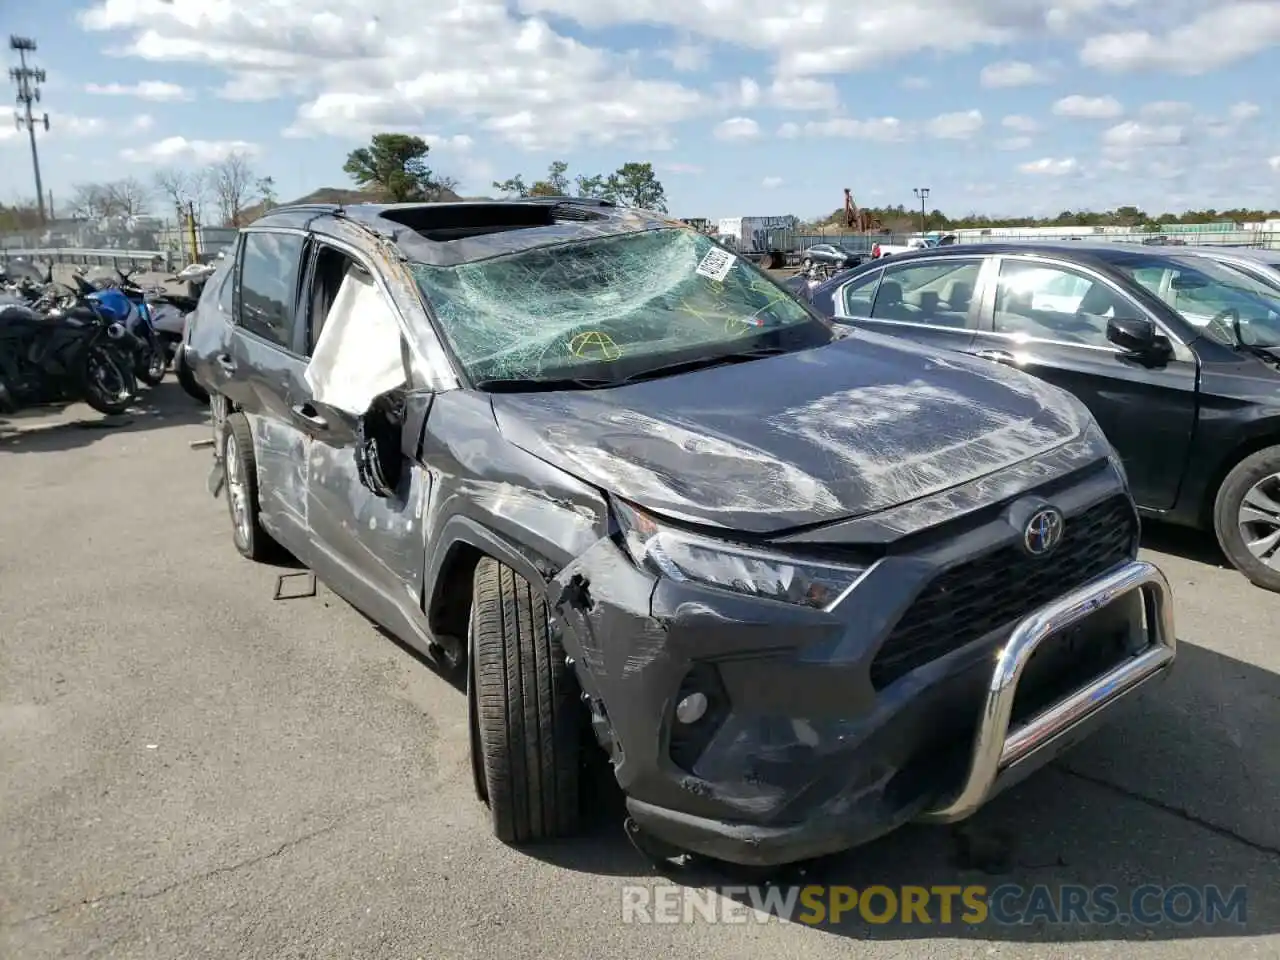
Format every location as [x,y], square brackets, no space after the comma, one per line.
[555,311]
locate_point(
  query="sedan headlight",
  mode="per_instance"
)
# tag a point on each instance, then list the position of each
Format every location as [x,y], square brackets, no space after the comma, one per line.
[687,557]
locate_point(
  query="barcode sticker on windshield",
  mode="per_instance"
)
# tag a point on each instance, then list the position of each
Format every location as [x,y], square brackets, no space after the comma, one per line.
[716,264]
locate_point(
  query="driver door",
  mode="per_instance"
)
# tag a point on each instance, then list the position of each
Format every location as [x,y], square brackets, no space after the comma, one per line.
[1049,318]
[373,547]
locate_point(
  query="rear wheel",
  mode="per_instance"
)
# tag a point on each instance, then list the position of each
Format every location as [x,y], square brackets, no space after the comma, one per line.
[107,381]
[251,540]
[525,723]
[1246,517]
[151,365]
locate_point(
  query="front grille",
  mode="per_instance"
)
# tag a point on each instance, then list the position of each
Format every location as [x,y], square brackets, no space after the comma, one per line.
[997,590]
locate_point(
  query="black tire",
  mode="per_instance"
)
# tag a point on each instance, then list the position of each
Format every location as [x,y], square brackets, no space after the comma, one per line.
[250,539]
[1226,513]
[187,378]
[102,364]
[527,710]
[151,366]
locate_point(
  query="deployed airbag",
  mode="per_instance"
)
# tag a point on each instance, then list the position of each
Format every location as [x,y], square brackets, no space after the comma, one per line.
[359,354]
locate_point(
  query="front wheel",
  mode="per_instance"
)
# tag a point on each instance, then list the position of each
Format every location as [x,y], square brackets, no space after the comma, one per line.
[1246,517]
[107,381]
[525,724]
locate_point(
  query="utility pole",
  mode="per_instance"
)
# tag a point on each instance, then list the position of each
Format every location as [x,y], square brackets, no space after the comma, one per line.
[28,80]
[923,194]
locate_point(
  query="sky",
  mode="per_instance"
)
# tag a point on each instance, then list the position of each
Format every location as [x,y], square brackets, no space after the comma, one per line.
[745,107]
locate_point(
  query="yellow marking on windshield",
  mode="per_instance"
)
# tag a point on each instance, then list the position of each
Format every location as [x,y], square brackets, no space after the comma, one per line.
[594,342]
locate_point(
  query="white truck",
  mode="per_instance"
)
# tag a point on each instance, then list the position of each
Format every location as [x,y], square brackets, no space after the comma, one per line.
[913,243]
[767,240]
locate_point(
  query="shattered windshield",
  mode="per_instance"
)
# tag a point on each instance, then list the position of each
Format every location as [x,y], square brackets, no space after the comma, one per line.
[633,301]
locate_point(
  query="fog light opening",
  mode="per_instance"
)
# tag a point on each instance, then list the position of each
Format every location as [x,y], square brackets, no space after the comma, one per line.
[692,708]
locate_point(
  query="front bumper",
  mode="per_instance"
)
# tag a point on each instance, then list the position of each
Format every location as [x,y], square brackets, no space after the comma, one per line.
[867,780]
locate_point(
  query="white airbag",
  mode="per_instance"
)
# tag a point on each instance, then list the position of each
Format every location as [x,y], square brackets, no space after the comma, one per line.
[358,355]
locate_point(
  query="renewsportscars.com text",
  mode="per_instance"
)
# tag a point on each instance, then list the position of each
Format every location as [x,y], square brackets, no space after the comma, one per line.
[1006,904]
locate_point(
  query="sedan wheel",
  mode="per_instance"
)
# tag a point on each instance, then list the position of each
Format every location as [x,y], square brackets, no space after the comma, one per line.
[1247,517]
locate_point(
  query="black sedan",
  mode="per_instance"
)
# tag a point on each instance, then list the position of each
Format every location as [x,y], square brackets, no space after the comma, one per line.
[1176,354]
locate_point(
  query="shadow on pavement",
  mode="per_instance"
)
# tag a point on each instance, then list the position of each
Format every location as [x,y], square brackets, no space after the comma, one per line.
[1198,545]
[1180,791]
[56,427]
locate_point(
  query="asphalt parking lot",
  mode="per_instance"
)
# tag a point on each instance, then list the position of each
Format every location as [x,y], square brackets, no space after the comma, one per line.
[194,769]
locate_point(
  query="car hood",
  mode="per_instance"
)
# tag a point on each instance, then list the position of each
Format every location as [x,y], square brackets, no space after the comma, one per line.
[843,430]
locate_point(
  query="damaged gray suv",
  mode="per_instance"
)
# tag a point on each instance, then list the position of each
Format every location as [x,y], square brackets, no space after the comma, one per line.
[800,587]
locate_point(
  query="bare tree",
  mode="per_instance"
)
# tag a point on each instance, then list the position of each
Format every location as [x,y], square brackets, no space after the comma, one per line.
[128,197]
[232,181]
[89,201]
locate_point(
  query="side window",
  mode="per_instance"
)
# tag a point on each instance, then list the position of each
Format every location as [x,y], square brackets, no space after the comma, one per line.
[856,296]
[354,340]
[937,293]
[1055,303]
[268,284]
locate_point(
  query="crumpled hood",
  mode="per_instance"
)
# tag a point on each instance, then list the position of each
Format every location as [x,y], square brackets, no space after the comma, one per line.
[843,430]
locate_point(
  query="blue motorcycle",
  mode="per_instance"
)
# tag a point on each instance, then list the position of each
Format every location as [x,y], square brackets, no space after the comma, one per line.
[151,358]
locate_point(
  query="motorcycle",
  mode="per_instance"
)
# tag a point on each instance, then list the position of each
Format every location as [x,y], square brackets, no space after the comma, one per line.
[125,302]
[72,353]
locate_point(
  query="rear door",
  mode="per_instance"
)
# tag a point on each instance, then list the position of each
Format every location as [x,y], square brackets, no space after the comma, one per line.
[1049,318]
[268,368]
[930,300]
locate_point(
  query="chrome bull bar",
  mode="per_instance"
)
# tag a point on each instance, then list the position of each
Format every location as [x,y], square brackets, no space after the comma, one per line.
[1002,756]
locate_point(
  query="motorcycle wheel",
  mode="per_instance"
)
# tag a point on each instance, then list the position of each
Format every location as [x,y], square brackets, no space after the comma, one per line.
[151,365]
[107,381]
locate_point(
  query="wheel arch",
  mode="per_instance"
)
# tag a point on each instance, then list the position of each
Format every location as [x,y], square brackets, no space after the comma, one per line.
[1245,448]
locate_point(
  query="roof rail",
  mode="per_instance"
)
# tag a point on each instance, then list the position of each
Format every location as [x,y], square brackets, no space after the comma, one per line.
[304,208]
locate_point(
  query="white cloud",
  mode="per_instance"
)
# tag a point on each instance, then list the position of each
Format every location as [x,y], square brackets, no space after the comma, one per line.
[880,129]
[771,183]
[1133,135]
[156,90]
[737,128]
[1088,108]
[1274,163]
[955,126]
[1243,111]
[181,150]
[687,57]
[1048,166]
[915,83]
[1012,73]
[1166,109]
[365,66]
[1020,123]
[1224,33]
[1014,143]
[789,131]
[142,122]
[803,93]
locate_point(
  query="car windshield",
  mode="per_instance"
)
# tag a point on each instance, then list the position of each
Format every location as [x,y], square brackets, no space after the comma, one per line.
[1224,303]
[611,307]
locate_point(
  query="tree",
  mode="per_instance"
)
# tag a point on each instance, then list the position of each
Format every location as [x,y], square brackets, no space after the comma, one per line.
[513,187]
[555,185]
[395,164]
[594,187]
[267,190]
[128,197]
[231,180]
[182,187]
[20,216]
[636,185]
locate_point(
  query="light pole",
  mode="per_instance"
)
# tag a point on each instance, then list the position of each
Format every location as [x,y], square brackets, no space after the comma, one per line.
[28,80]
[922,193]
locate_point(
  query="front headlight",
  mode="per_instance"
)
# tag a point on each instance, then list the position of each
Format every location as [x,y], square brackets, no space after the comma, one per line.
[687,557]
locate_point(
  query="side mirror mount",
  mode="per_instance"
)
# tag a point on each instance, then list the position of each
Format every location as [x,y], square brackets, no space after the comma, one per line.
[379,444]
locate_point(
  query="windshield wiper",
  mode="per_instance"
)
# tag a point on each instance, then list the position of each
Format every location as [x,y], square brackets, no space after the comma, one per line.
[702,363]
[501,385]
